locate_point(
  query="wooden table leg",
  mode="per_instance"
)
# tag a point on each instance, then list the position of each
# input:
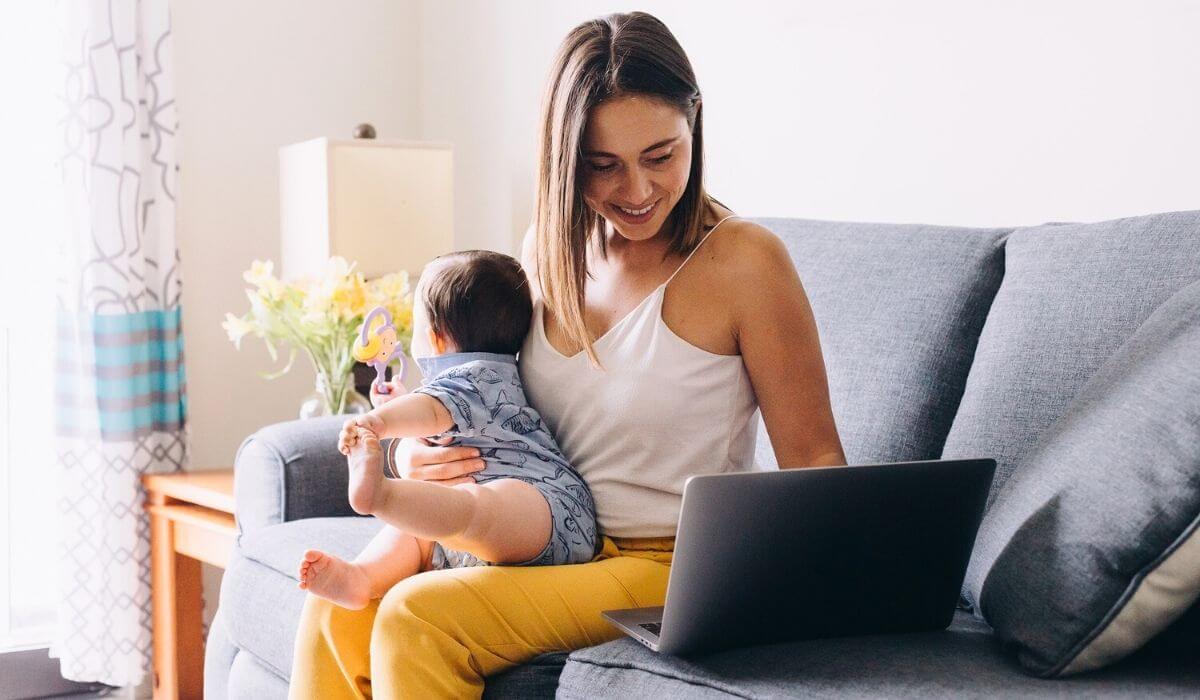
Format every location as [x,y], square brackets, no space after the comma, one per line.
[177,603]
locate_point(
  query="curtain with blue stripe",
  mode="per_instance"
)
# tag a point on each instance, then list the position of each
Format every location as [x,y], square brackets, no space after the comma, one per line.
[121,388]
[136,374]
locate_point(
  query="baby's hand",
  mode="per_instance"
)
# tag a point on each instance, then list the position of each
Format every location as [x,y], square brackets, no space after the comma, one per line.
[372,422]
[393,389]
[349,436]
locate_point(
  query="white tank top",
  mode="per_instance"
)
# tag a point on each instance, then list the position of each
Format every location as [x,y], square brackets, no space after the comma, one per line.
[660,411]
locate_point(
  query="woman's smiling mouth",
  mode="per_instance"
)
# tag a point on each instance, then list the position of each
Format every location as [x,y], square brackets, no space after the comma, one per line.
[636,216]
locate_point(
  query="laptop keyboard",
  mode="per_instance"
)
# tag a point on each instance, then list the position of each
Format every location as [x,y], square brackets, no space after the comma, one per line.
[654,628]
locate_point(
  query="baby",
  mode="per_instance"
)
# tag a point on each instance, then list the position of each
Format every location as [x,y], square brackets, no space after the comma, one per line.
[527,506]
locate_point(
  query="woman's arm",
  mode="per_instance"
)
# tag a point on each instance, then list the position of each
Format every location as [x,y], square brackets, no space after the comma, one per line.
[777,337]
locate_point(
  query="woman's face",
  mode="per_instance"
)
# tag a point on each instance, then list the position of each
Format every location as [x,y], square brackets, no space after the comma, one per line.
[637,154]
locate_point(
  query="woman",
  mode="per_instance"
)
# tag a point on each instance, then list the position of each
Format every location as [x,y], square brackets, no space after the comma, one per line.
[660,324]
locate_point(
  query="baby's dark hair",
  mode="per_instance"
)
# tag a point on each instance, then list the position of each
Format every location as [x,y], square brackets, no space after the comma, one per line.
[480,301]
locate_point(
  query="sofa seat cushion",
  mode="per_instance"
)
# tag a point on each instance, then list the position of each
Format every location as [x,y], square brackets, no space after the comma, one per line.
[260,603]
[899,308]
[1072,294]
[964,661]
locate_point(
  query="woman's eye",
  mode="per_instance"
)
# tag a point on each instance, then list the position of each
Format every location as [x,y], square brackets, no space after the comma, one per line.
[601,167]
[661,159]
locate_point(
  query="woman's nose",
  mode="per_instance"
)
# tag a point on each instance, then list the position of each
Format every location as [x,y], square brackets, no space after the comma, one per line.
[637,188]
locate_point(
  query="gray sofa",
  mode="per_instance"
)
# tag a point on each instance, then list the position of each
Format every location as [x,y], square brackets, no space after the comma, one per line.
[902,311]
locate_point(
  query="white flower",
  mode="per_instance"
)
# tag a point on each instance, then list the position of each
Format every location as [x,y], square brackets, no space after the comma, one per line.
[260,273]
[237,328]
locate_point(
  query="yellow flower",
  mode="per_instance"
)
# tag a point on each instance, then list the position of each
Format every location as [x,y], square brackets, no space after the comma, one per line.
[349,298]
[393,292]
[392,286]
[318,314]
[401,315]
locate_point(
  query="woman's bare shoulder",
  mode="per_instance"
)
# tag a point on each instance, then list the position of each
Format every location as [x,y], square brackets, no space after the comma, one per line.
[743,251]
[740,267]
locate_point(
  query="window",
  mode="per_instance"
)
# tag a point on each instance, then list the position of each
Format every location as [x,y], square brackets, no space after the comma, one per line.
[30,226]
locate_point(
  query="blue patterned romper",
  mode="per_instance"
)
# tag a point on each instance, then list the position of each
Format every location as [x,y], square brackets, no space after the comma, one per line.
[483,393]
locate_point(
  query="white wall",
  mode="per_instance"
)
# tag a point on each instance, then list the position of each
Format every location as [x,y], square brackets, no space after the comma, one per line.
[251,77]
[937,111]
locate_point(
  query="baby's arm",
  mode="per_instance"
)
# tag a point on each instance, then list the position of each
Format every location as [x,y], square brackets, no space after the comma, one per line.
[502,521]
[411,415]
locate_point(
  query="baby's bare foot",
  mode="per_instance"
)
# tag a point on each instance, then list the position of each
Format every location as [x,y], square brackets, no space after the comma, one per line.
[334,579]
[366,473]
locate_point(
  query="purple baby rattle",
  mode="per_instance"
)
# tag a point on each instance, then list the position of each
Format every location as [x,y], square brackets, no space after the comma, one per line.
[376,344]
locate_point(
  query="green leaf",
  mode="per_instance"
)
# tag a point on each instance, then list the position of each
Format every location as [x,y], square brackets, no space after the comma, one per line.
[285,370]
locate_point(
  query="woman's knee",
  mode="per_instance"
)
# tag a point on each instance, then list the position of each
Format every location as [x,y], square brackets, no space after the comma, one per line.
[409,601]
[412,609]
[436,599]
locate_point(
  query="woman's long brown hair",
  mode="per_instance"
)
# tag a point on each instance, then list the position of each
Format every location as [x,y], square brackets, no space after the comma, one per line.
[620,54]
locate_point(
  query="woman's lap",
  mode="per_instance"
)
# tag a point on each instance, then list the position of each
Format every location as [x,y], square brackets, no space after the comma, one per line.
[440,632]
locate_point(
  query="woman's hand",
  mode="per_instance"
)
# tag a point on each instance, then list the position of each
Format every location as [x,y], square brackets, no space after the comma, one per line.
[427,460]
[394,389]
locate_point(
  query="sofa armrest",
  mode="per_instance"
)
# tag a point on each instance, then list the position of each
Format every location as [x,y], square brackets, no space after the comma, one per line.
[289,471]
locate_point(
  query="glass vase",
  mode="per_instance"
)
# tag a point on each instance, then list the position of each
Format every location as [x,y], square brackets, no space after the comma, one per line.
[334,397]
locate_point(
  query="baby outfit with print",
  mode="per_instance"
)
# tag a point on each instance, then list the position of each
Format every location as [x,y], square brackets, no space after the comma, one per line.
[483,393]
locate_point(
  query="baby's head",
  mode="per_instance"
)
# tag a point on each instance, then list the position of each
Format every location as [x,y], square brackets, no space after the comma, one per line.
[471,301]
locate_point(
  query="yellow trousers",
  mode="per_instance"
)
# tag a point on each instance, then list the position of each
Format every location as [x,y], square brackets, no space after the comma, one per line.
[439,633]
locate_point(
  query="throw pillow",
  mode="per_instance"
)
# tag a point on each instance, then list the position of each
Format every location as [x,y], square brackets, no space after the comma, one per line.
[1092,547]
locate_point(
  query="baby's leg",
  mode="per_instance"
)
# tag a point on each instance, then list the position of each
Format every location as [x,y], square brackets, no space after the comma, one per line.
[505,520]
[365,462]
[390,556]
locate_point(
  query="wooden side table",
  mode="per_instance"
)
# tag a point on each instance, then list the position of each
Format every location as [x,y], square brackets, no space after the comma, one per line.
[191,521]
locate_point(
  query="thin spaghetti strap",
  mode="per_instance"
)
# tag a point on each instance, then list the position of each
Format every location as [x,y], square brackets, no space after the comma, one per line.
[702,240]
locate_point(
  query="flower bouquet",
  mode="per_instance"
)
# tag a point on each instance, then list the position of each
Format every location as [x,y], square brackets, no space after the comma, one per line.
[321,317]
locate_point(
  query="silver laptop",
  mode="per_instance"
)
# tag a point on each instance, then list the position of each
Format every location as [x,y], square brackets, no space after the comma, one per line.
[765,557]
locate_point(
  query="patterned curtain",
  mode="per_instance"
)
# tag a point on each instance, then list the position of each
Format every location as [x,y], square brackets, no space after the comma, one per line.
[120,389]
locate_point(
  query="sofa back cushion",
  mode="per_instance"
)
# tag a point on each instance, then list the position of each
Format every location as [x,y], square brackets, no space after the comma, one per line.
[899,308]
[1072,293]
